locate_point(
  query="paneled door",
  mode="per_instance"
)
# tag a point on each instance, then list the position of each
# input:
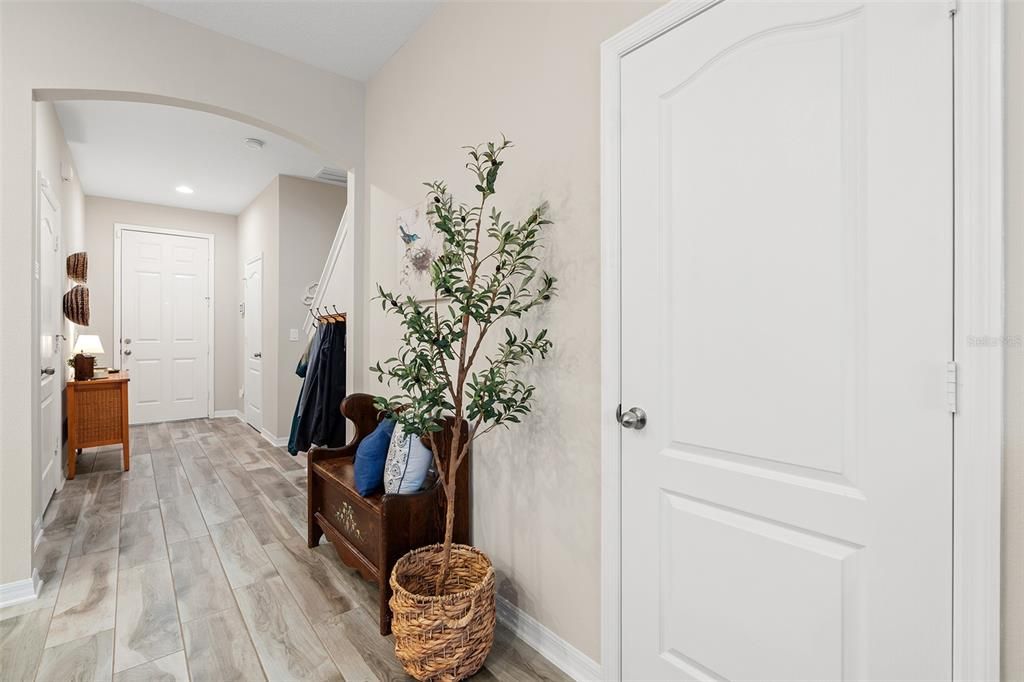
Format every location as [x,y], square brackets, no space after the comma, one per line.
[254,343]
[51,366]
[786,217]
[165,327]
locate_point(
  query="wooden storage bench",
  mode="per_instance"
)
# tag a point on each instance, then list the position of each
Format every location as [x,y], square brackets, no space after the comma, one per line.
[371,533]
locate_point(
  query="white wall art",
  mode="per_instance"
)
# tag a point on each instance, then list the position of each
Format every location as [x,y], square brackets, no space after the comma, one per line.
[419,245]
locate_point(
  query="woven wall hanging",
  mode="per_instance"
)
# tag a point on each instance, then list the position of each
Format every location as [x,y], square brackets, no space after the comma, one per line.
[78,267]
[76,305]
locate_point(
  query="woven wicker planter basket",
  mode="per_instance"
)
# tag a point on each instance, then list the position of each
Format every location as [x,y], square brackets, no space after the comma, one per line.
[443,637]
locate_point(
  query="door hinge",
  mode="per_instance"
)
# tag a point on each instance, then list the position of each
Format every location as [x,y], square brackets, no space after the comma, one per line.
[951,387]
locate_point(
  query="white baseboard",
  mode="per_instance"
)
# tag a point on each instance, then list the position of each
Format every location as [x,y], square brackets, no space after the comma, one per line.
[221,414]
[276,441]
[20,590]
[568,658]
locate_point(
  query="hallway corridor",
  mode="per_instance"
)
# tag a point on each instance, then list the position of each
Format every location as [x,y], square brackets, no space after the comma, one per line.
[194,565]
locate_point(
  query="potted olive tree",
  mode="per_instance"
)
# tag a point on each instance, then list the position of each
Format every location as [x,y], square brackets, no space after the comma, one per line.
[453,386]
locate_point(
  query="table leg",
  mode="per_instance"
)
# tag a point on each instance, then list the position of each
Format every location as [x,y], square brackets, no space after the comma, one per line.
[72,428]
[124,426]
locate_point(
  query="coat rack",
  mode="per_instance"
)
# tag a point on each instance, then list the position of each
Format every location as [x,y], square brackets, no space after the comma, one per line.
[325,315]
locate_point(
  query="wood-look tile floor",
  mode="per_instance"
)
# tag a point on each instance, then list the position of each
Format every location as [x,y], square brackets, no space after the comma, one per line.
[194,565]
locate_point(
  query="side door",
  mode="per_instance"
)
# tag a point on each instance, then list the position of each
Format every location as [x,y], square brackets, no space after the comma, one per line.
[786,216]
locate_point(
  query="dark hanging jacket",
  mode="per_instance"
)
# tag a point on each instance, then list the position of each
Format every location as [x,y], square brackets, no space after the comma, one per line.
[301,370]
[319,420]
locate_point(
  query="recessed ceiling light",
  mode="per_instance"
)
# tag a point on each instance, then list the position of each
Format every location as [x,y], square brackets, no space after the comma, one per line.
[184,189]
[253,143]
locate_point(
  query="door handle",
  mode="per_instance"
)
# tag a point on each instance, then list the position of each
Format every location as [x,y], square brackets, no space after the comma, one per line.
[633,418]
[257,355]
[48,371]
[127,351]
[127,341]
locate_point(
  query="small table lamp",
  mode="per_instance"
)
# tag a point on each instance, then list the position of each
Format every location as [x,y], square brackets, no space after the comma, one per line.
[87,347]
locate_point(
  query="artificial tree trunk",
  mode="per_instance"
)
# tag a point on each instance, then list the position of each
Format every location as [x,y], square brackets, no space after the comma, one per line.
[457,450]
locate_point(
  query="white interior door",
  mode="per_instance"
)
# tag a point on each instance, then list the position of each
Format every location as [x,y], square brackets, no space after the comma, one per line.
[165,329]
[253,343]
[51,368]
[786,324]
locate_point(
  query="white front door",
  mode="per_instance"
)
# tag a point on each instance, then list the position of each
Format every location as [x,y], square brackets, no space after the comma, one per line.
[253,343]
[786,323]
[51,366]
[165,329]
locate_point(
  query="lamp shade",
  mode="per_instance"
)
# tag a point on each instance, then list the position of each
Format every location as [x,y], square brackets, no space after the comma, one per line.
[88,344]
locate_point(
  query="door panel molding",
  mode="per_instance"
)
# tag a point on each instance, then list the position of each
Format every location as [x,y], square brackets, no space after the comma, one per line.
[119,228]
[978,305]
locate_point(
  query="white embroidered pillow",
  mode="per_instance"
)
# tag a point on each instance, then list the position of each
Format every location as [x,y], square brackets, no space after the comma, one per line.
[407,463]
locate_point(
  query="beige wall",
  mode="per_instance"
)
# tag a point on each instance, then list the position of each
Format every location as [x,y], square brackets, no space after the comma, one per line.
[542,529]
[309,218]
[339,290]
[101,214]
[537,492]
[1013,467]
[125,50]
[51,151]
[291,224]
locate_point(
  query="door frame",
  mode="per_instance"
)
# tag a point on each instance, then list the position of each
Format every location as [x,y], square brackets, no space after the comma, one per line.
[978,309]
[211,347]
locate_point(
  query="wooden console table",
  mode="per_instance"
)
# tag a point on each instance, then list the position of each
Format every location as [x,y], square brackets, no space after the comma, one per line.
[97,415]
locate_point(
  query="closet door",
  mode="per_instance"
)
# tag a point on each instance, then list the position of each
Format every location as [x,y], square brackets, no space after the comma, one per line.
[254,343]
[786,213]
[49,267]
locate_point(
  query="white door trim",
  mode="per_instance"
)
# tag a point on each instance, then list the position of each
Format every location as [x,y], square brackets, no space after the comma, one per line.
[122,227]
[978,307]
[979,314]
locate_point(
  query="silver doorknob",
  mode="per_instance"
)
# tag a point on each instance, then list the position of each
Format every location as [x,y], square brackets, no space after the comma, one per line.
[257,355]
[49,371]
[633,418]
[127,341]
[127,351]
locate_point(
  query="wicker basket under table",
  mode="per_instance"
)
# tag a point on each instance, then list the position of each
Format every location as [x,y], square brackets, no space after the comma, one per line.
[97,415]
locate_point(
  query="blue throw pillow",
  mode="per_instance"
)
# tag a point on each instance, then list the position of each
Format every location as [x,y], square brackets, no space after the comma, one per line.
[371,454]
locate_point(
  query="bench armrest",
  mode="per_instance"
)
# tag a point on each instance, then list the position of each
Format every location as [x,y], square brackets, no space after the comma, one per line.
[357,408]
[319,454]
